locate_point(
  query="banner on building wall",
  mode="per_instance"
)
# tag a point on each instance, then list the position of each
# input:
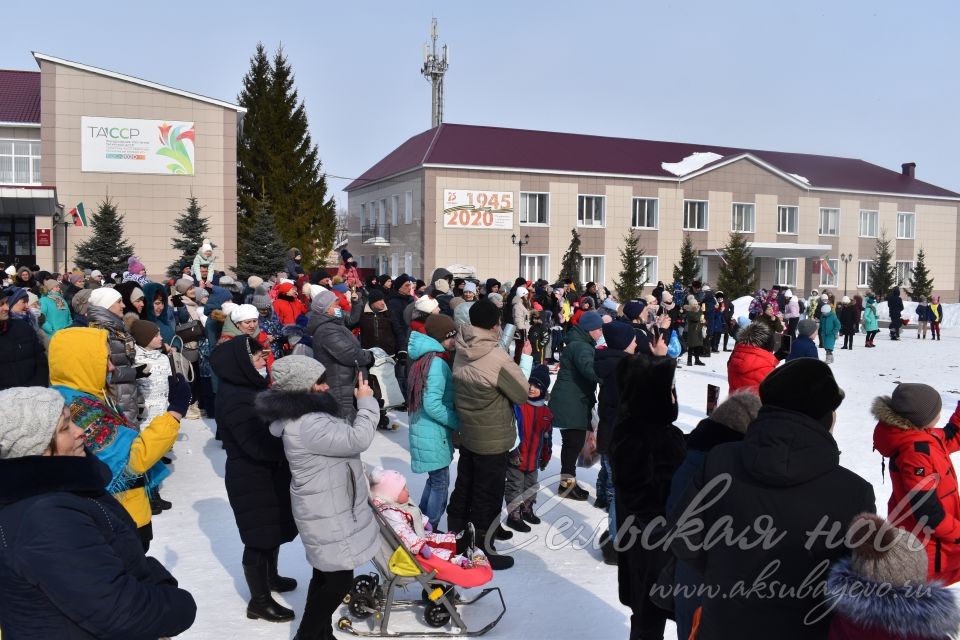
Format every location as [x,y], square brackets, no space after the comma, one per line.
[43,237]
[477,209]
[123,145]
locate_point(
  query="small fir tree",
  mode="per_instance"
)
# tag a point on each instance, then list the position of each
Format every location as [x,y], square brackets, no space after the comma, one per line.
[572,261]
[262,252]
[633,275]
[107,249]
[191,228]
[737,276]
[921,284]
[882,273]
[688,269]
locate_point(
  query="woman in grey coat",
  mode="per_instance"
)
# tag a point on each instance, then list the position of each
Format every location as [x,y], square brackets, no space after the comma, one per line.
[329,489]
[104,311]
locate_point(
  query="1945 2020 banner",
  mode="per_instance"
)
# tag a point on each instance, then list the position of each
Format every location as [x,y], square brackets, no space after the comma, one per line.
[124,145]
[477,209]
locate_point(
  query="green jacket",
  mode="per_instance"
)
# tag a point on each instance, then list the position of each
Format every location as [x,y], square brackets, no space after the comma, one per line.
[486,384]
[575,391]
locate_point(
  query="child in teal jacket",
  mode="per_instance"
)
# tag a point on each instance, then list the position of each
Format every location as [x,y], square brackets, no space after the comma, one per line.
[829,328]
[54,308]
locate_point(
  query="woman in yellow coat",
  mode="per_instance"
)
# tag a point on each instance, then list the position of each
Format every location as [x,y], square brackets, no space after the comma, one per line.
[80,370]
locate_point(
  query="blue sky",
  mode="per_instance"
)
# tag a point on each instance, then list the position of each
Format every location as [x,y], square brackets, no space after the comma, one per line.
[873,80]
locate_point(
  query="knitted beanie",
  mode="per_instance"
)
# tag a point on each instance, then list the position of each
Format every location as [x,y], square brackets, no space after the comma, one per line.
[81,300]
[805,385]
[254,281]
[633,309]
[885,553]
[244,312]
[28,421]
[737,411]
[470,287]
[201,294]
[135,266]
[104,297]
[324,300]
[261,298]
[618,335]
[807,327]
[918,403]
[440,327]
[591,321]
[376,295]
[484,314]
[295,373]
[183,285]
[386,483]
[143,331]
[495,298]
[426,305]
[540,378]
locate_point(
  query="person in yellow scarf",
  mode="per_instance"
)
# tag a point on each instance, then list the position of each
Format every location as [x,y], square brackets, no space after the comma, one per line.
[936,310]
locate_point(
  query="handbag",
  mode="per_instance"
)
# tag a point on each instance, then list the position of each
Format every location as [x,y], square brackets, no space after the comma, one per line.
[588,455]
[179,363]
[189,331]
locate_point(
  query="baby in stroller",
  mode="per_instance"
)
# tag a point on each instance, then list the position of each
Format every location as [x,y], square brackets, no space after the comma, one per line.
[388,490]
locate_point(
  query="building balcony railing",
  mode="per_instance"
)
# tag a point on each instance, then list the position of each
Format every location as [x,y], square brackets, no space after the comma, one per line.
[377,235]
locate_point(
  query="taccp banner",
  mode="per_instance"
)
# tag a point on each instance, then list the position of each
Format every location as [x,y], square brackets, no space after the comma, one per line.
[478,209]
[123,145]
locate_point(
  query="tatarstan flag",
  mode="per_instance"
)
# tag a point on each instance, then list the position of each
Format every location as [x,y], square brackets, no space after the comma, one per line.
[79,217]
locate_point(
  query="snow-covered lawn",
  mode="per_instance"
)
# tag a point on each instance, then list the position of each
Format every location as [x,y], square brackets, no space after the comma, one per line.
[557,589]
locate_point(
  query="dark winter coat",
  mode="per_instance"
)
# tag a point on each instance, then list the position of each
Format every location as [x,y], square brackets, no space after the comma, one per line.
[803,347]
[257,474]
[71,562]
[787,469]
[23,360]
[895,306]
[608,401]
[575,390]
[920,465]
[397,304]
[377,330]
[164,321]
[924,314]
[123,381]
[694,322]
[847,314]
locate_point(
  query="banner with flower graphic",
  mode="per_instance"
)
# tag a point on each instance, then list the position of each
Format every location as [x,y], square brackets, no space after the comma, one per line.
[125,145]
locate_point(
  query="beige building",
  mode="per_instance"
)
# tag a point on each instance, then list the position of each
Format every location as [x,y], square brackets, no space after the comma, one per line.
[74,134]
[458,194]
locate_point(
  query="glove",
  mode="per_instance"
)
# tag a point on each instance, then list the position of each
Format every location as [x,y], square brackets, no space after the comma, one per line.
[426,552]
[143,371]
[177,300]
[179,395]
[428,527]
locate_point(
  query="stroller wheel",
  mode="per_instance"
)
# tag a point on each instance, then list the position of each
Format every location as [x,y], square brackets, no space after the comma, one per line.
[344,623]
[362,600]
[436,615]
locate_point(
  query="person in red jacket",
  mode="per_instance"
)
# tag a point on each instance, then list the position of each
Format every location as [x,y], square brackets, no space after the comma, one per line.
[924,500]
[288,305]
[535,428]
[752,358]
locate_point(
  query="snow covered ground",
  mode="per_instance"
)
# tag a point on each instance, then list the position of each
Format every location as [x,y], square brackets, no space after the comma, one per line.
[558,588]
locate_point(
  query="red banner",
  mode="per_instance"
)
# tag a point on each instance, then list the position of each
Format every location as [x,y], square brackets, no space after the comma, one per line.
[43,237]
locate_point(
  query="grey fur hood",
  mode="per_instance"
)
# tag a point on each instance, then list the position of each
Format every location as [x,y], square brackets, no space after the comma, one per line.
[882,412]
[756,334]
[275,406]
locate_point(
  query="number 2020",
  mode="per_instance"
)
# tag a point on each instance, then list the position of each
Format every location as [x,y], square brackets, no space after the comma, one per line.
[464,218]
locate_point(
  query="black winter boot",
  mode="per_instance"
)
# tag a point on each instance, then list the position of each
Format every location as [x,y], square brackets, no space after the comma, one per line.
[262,605]
[526,512]
[277,582]
[497,561]
[515,521]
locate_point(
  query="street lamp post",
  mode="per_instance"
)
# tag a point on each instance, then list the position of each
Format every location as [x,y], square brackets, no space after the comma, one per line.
[59,217]
[520,242]
[846,258]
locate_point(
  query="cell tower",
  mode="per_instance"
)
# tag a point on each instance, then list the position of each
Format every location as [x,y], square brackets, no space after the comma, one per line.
[434,67]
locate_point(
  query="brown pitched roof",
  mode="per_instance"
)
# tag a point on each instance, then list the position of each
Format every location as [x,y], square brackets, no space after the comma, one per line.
[20,96]
[520,149]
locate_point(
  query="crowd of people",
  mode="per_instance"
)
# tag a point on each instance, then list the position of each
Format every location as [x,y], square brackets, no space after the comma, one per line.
[296,369]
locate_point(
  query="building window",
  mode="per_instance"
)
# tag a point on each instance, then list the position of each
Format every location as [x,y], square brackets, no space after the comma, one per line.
[863,274]
[828,276]
[394,263]
[904,272]
[590,211]
[906,226]
[383,212]
[787,272]
[645,213]
[535,267]
[408,263]
[19,162]
[695,215]
[703,260]
[868,224]
[363,214]
[408,207]
[829,222]
[743,218]
[592,269]
[533,208]
[651,267]
[16,239]
[787,220]
[395,210]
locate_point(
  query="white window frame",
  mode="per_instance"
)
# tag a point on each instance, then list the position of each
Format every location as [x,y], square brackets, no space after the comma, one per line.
[408,207]
[524,211]
[655,202]
[363,213]
[706,215]
[597,277]
[581,199]
[786,208]
[747,209]
[902,280]
[902,217]
[536,273]
[835,267]
[863,274]
[394,263]
[33,160]
[382,218]
[876,223]
[703,261]
[836,230]
[408,263]
[786,262]
[652,264]
[395,210]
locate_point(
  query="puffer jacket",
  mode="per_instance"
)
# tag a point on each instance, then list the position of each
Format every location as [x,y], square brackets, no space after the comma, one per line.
[155,387]
[895,305]
[329,490]
[377,330]
[461,313]
[431,445]
[123,354]
[487,383]
[56,311]
[870,322]
[336,348]
[920,466]
[521,314]
[575,391]
[829,328]
[23,360]
[751,360]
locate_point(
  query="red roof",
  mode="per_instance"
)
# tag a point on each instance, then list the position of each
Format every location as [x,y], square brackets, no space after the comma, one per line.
[496,147]
[20,96]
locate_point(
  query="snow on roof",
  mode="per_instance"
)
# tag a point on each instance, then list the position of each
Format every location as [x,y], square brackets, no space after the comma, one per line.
[799,177]
[693,162]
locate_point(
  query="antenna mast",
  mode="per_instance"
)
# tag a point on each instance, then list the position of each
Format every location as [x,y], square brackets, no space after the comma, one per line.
[434,67]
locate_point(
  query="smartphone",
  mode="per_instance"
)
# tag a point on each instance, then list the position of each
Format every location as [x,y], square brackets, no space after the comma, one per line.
[358,372]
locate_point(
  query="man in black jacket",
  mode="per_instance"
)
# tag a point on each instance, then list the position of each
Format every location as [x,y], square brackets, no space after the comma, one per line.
[23,360]
[398,300]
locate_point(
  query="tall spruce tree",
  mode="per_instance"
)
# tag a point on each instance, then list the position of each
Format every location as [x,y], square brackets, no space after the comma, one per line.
[882,273]
[921,284]
[633,274]
[107,249]
[572,261]
[191,228]
[262,252]
[688,269]
[737,276]
[276,155]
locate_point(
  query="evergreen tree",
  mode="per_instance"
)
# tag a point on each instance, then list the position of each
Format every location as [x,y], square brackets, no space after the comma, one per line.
[921,284]
[276,155]
[633,275]
[107,249]
[688,269]
[191,228]
[737,276]
[572,261]
[882,273]
[262,252]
